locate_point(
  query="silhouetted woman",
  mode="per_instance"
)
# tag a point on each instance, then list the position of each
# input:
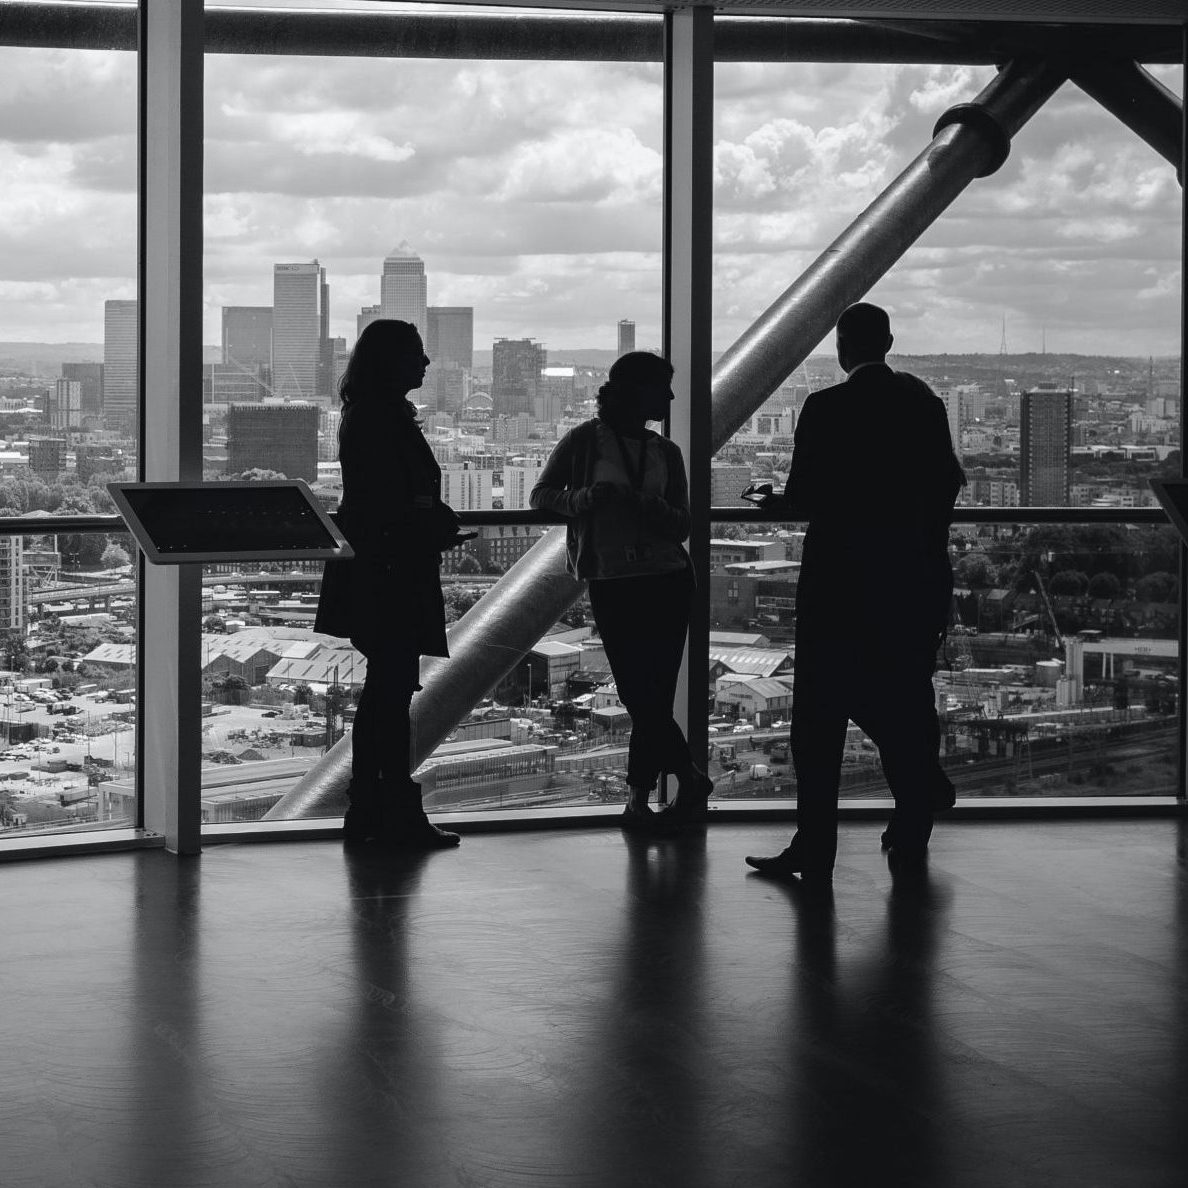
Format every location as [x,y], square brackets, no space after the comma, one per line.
[392,514]
[624,491]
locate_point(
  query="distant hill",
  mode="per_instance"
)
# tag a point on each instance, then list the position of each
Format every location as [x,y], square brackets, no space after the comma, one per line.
[46,358]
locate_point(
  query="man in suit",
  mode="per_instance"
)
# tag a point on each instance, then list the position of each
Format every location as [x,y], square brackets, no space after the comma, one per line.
[874,474]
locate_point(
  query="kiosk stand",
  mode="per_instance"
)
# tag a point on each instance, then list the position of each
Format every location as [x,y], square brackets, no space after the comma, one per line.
[186,525]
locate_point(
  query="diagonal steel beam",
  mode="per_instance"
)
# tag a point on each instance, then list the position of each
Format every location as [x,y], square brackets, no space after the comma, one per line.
[971,140]
[1140,101]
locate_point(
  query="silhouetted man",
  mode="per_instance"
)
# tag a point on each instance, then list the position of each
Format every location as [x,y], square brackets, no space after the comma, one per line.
[874,474]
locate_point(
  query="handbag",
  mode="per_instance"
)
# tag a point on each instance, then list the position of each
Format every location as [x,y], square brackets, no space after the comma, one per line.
[334,602]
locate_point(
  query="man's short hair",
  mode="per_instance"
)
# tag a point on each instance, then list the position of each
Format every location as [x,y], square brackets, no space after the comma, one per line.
[866,330]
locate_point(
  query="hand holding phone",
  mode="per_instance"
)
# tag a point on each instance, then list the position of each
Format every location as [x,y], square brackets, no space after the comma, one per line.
[757,493]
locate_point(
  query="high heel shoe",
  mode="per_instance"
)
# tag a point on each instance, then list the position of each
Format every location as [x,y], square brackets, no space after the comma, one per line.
[691,806]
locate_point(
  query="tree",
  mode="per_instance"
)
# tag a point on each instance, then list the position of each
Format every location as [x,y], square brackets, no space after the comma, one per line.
[258,475]
[114,557]
[302,695]
[212,623]
[1157,587]
[1104,585]
[975,571]
[468,563]
[1070,582]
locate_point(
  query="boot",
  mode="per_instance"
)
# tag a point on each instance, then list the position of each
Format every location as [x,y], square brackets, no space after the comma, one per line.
[362,820]
[404,825]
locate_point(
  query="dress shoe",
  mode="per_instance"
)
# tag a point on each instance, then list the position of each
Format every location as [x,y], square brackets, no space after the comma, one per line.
[787,864]
[404,824]
[944,797]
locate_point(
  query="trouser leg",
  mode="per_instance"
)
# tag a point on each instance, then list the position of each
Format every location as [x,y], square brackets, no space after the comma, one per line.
[899,713]
[643,622]
[819,721]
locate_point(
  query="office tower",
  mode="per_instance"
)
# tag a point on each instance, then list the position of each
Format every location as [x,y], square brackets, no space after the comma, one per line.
[120,330]
[465,487]
[403,290]
[231,383]
[727,482]
[340,356]
[280,437]
[446,388]
[12,583]
[300,316]
[247,335]
[365,317]
[520,475]
[65,405]
[89,376]
[47,456]
[555,393]
[952,399]
[449,338]
[626,336]
[516,364]
[1045,446]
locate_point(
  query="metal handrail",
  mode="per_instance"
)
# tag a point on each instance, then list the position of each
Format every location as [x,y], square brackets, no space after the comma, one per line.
[55,525]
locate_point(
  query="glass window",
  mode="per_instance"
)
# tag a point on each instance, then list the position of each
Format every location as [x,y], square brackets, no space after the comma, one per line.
[511,210]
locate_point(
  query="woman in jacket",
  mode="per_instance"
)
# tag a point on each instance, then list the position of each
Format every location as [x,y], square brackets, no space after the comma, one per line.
[624,492]
[392,513]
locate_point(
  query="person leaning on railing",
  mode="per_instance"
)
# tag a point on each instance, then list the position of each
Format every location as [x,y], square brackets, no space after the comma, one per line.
[625,496]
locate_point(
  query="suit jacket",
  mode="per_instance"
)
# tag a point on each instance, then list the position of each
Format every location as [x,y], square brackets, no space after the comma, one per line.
[874,474]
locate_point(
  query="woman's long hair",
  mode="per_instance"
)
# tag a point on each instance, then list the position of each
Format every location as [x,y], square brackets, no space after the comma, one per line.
[626,373]
[369,369]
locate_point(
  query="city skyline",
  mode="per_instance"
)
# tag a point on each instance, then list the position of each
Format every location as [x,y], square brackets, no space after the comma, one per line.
[547,219]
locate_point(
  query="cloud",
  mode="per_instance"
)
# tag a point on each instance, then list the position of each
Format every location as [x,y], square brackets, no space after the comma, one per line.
[533,191]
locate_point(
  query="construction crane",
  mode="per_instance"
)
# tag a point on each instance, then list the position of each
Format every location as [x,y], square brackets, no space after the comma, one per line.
[1039,581]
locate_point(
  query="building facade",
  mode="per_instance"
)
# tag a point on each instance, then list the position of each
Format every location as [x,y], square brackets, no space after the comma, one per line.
[449,337]
[247,336]
[516,364]
[626,337]
[300,325]
[1045,446]
[403,288]
[120,333]
[280,437]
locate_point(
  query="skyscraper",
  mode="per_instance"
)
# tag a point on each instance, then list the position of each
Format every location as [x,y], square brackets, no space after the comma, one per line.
[403,288]
[953,399]
[12,583]
[516,364]
[1045,446]
[626,336]
[120,330]
[247,335]
[300,325]
[449,337]
[280,437]
[365,317]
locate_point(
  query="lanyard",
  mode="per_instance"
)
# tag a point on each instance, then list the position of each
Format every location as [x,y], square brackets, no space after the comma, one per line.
[636,476]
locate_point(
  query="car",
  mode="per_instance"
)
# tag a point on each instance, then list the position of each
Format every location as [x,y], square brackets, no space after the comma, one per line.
[269,714]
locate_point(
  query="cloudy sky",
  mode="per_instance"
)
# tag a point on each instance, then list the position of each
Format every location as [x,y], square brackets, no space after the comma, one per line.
[532,191]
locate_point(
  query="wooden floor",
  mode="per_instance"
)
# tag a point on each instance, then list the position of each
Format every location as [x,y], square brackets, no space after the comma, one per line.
[577,1009]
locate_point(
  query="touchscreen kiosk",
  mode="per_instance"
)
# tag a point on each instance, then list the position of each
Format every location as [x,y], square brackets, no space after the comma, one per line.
[1173,494]
[206,523]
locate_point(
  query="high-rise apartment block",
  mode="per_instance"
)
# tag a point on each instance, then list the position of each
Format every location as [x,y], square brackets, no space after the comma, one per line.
[64,410]
[626,337]
[247,335]
[89,377]
[403,288]
[449,337]
[300,331]
[280,437]
[727,483]
[465,487]
[520,475]
[1045,446]
[516,364]
[47,456]
[12,583]
[120,331]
